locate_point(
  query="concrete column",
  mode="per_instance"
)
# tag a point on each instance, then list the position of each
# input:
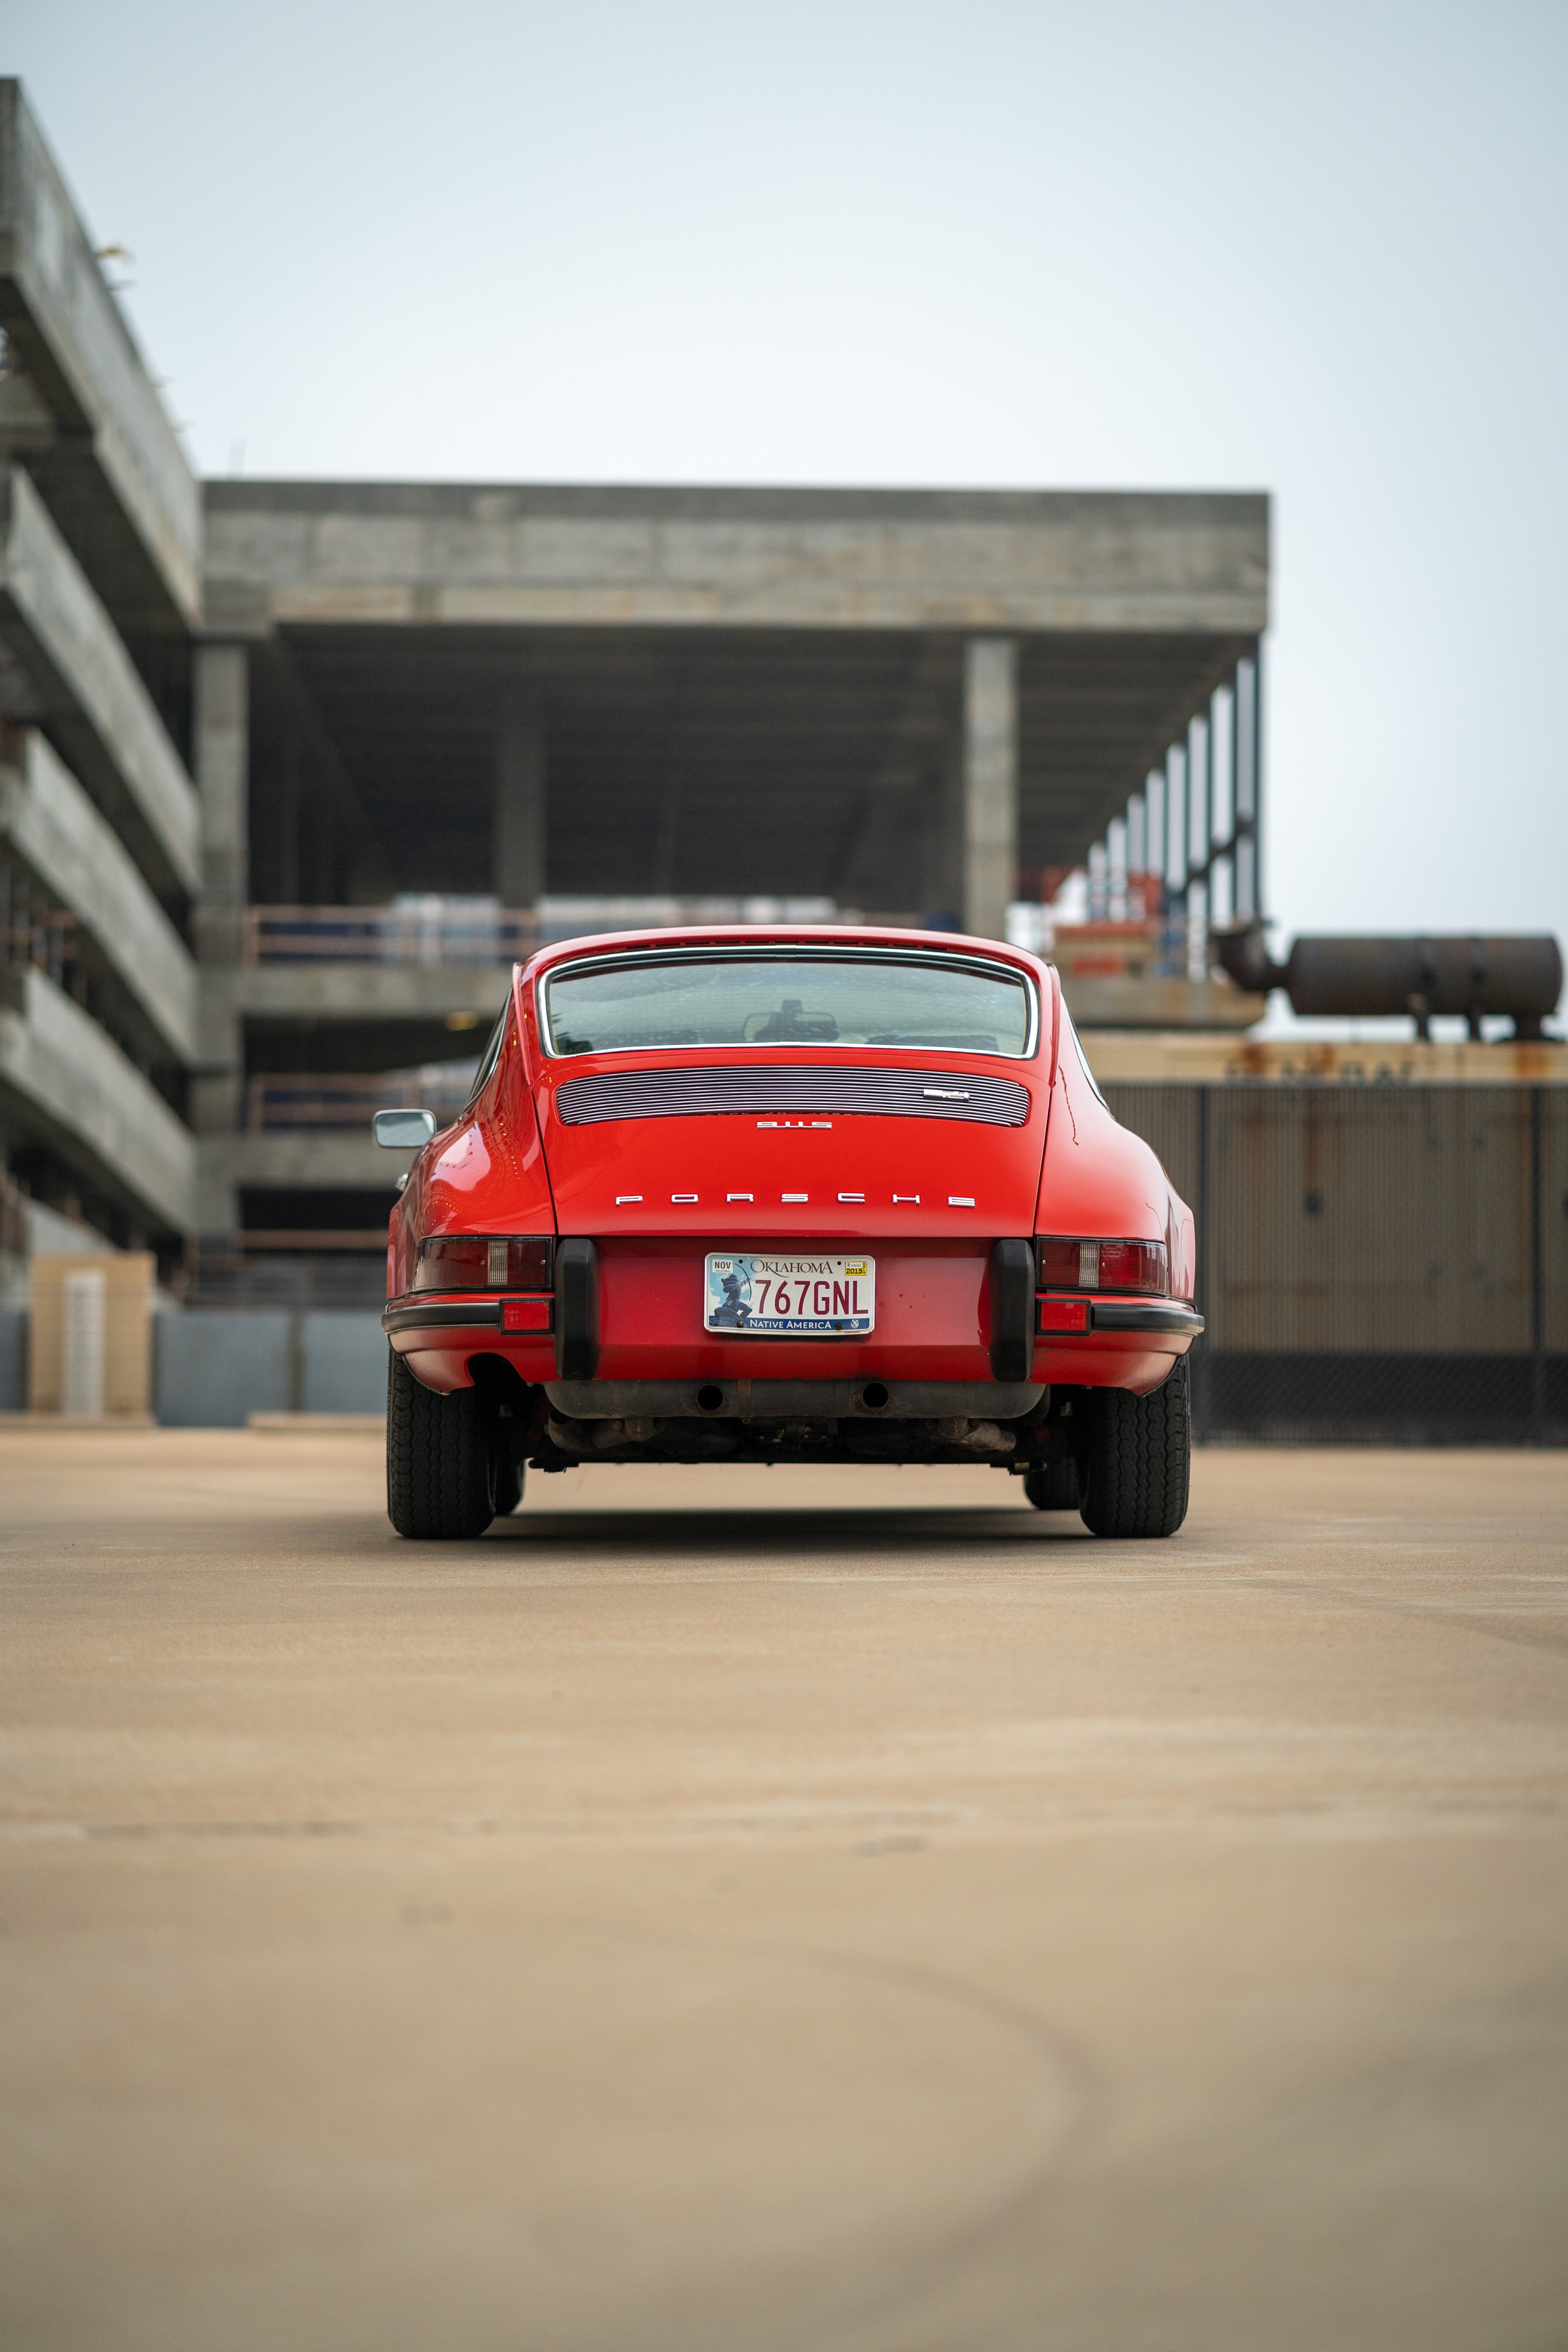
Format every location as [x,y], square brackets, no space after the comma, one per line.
[223,782]
[939,849]
[517,860]
[221,744]
[990,779]
[287,816]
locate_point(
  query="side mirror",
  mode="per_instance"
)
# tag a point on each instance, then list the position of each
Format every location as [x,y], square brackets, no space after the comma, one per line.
[404,1131]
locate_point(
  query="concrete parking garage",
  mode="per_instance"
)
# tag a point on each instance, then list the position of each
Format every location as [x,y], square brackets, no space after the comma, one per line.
[781,1908]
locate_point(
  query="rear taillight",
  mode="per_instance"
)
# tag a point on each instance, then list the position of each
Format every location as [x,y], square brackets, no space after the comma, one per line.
[1067,1264]
[485,1262]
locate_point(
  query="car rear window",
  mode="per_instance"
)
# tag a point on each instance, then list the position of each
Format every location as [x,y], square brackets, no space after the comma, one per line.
[713,998]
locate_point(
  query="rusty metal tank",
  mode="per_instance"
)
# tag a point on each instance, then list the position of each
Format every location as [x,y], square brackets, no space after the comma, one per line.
[1518,975]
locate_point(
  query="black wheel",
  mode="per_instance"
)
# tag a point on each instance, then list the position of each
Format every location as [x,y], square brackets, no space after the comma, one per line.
[1053,1485]
[1139,1459]
[441,1458]
[509,1483]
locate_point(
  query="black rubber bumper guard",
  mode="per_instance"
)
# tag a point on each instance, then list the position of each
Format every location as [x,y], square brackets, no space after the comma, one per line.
[442,1315]
[1011,1277]
[1170,1317]
[575,1315]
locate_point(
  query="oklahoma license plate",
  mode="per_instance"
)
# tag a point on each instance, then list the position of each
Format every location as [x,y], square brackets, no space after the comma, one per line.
[790,1297]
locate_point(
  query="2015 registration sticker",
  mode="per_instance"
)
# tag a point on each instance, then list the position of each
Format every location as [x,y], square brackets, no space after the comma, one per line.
[790,1297]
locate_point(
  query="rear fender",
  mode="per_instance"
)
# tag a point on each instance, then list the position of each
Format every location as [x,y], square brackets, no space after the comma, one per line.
[486,1173]
[1100,1179]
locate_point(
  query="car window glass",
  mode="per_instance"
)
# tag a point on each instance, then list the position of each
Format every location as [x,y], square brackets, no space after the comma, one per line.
[490,1056]
[805,1000]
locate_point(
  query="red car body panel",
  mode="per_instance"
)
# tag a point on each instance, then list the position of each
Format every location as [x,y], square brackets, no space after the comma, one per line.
[932,1320]
[511,1164]
[1100,1178]
[953,1179]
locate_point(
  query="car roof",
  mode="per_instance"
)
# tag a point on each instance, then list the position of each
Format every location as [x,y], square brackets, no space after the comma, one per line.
[783,935]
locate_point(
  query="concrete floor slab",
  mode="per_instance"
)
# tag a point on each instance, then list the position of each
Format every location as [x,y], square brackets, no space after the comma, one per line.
[780,1908]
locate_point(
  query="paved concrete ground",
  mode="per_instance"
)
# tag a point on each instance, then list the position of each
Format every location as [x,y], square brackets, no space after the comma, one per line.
[774,1910]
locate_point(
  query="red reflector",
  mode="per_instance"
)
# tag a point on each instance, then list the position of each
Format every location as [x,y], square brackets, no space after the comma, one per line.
[526,1313]
[1064,1315]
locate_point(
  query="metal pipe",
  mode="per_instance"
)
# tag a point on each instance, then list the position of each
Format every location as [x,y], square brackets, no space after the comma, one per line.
[1518,976]
[1176,787]
[1257,777]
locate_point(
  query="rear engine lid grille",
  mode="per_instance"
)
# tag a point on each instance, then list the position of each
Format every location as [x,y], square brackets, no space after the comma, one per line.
[882,1094]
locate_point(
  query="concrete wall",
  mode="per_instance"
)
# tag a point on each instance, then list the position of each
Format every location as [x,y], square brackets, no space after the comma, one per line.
[213,1368]
[210,1370]
[343,1363]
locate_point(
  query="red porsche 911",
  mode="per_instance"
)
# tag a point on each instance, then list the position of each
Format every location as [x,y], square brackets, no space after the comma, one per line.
[786,1195]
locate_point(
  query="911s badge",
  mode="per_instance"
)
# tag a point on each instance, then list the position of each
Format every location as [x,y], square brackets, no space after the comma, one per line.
[790,1297]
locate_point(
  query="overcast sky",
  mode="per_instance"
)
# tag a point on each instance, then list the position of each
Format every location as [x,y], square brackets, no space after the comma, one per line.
[1317,250]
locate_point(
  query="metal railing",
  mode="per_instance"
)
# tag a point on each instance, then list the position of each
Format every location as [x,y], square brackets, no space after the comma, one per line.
[481,932]
[35,930]
[441,934]
[344,1103]
[1187,852]
[1135,949]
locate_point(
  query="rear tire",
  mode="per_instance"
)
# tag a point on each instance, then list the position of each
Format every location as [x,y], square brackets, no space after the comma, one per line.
[1053,1485]
[441,1458]
[508,1485]
[1139,1460]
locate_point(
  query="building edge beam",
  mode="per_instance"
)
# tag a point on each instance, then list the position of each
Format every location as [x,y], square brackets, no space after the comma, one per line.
[73,1087]
[228,1164]
[86,690]
[61,836]
[84,365]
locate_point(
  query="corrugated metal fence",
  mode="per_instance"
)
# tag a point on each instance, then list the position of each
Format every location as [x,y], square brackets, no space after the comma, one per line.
[1383,1264]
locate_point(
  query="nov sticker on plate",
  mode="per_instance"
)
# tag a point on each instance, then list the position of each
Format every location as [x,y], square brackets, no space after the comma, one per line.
[790,1297]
